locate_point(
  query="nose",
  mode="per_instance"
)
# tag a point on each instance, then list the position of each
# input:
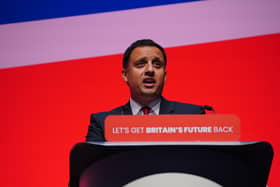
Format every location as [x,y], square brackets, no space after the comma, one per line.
[149,69]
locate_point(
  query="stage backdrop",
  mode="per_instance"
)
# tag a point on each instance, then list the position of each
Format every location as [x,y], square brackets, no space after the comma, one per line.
[61,61]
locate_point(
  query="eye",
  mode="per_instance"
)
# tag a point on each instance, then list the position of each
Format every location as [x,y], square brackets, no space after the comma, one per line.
[157,64]
[140,63]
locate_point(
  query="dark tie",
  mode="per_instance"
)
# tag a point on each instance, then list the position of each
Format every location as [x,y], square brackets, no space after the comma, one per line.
[146,110]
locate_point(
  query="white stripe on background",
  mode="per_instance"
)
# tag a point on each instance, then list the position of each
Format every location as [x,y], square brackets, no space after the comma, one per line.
[110,33]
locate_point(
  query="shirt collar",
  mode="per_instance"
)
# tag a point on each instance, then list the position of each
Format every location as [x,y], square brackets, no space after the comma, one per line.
[136,107]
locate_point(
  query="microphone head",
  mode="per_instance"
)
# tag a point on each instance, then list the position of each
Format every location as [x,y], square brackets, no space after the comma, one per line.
[208,107]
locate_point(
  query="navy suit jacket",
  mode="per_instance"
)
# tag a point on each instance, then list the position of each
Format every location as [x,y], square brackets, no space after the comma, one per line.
[96,127]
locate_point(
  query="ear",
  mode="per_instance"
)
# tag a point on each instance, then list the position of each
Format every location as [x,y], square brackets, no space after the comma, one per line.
[124,75]
[165,76]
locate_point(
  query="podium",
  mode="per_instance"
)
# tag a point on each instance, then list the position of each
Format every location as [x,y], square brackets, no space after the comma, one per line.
[113,164]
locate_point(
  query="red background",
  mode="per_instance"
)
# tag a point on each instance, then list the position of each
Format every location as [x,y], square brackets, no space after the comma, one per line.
[45,108]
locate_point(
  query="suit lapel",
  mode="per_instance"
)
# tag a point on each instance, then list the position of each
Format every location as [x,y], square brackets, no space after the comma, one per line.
[166,107]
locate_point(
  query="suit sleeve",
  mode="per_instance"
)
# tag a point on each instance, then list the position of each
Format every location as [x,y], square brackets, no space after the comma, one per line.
[96,128]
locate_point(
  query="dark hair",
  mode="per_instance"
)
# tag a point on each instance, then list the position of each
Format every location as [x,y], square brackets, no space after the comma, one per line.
[141,43]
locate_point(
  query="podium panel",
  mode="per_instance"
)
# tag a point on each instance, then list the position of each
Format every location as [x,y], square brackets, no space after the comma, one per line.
[172,179]
[218,164]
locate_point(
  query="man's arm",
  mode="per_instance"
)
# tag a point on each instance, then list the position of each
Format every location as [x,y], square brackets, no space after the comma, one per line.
[96,127]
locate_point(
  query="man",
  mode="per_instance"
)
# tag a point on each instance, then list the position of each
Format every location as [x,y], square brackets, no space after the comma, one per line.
[144,71]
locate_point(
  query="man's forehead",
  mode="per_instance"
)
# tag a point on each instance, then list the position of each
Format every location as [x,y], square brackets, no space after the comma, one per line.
[146,52]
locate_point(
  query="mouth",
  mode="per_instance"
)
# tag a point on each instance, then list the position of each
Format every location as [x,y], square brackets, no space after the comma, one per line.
[149,82]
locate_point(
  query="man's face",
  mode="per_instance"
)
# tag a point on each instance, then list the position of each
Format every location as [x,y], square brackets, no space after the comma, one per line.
[145,74]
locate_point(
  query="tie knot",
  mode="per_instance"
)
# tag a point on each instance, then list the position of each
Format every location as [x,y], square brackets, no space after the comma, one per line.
[146,110]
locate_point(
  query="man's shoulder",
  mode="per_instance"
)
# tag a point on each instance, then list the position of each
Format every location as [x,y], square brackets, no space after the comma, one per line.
[183,104]
[115,111]
[183,108]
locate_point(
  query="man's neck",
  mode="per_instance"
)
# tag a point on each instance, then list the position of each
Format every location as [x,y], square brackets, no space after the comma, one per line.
[145,101]
[154,106]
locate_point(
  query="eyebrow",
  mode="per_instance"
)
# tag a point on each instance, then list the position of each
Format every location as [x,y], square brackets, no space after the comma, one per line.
[159,59]
[154,58]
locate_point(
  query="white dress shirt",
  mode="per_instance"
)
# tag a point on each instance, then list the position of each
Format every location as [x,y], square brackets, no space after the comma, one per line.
[136,107]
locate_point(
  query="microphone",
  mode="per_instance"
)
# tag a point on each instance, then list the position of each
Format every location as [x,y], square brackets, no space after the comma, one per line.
[209,108]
